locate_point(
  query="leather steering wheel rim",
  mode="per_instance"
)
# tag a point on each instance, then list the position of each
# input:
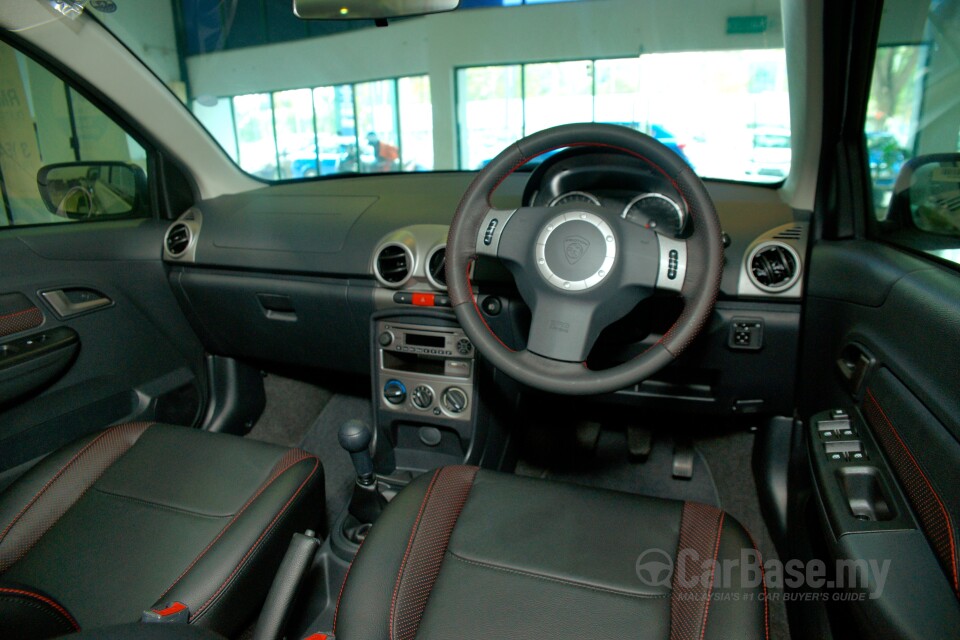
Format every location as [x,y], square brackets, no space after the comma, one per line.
[700,284]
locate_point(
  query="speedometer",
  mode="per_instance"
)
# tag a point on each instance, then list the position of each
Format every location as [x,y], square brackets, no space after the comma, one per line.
[655,211]
[573,197]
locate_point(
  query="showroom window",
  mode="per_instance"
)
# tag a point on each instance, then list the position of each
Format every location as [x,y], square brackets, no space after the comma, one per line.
[725,112]
[367,127]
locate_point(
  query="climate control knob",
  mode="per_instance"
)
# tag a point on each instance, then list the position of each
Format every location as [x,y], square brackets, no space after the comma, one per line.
[454,399]
[395,392]
[422,397]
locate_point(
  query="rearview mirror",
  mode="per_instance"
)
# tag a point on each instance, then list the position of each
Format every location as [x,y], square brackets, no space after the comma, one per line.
[369,9]
[85,190]
[927,192]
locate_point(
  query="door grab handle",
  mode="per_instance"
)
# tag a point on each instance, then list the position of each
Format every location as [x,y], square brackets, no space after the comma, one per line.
[71,302]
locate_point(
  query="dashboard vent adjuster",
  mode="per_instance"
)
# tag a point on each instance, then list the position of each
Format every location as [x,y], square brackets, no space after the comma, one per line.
[178,239]
[774,267]
[437,268]
[393,265]
[791,233]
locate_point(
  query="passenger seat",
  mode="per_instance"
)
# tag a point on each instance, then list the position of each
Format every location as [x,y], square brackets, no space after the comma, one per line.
[142,516]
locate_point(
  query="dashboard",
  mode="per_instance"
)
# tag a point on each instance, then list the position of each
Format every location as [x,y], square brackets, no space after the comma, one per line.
[299,273]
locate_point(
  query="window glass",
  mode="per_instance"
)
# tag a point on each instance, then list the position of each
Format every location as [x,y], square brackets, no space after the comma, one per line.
[912,130]
[556,93]
[744,134]
[490,113]
[450,91]
[256,141]
[100,172]
[416,123]
[377,126]
[336,129]
[296,137]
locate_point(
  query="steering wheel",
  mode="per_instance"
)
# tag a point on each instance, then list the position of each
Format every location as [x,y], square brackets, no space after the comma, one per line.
[581,267]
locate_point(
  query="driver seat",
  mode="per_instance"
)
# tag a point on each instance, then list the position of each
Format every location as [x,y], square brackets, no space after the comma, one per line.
[467,554]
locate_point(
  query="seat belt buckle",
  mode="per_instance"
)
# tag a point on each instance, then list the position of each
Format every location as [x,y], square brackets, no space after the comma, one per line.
[169,612]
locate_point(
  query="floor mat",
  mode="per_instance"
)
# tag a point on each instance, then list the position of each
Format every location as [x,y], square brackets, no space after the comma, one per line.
[321,439]
[611,468]
[292,406]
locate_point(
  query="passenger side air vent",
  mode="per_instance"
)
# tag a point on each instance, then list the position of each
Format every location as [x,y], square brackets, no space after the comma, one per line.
[178,240]
[773,267]
[437,267]
[393,265]
[790,233]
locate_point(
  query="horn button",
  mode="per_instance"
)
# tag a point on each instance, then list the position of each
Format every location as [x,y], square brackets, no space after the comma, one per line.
[576,251]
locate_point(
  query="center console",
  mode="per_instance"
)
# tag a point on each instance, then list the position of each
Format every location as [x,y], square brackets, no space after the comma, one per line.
[424,389]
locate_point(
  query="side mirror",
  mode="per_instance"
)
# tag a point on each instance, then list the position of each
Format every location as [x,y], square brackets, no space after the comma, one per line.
[86,190]
[367,10]
[927,194]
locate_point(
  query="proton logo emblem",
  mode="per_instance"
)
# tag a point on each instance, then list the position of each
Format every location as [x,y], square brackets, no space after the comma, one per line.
[574,248]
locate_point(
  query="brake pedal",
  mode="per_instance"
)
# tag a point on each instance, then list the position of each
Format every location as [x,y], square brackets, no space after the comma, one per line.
[683,455]
[639,443]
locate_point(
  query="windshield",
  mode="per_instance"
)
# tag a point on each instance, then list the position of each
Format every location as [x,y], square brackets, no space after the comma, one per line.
[290,99]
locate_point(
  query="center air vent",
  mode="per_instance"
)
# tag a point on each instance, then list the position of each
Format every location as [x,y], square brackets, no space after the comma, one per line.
[178,239]
[774,266]
[437,267]
[393,265]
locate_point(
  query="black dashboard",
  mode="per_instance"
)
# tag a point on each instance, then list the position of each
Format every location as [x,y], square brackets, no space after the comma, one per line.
[295,272]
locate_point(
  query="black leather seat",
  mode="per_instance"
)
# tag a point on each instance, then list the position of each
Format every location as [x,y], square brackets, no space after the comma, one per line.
[465,554]
[145,514]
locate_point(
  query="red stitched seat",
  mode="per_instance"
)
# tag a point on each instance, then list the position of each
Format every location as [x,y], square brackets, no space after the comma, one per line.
[143,514]
[471,554]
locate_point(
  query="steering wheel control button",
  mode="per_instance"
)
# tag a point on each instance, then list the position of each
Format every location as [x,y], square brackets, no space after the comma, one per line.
[395,392]
[488,238]
[491,228]
[673,263]
[454,400]
[576,251]
[422,397]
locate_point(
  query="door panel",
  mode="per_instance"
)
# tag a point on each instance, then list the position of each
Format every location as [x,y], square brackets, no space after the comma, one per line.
[137,358]
[902,315]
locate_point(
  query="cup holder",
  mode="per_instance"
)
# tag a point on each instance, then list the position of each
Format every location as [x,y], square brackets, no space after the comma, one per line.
[865,494]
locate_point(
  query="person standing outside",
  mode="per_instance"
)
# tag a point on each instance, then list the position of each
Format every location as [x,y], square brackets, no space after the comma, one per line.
[386,156]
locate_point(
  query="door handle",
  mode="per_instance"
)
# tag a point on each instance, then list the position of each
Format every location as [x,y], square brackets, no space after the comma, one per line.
[69,302]
[854,363]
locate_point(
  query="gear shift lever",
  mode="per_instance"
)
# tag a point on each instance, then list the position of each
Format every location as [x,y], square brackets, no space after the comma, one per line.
[355,438]
[366,502]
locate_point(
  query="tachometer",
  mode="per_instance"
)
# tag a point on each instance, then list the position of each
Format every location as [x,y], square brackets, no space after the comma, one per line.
[655,211]
[573,197]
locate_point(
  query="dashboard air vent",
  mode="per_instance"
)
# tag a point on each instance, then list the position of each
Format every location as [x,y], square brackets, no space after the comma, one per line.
[393,265]
[437,267]
[178,239]
[790,233]
[774,267]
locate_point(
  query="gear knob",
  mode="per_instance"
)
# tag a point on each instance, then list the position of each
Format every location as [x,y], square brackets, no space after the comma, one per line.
[354,437]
